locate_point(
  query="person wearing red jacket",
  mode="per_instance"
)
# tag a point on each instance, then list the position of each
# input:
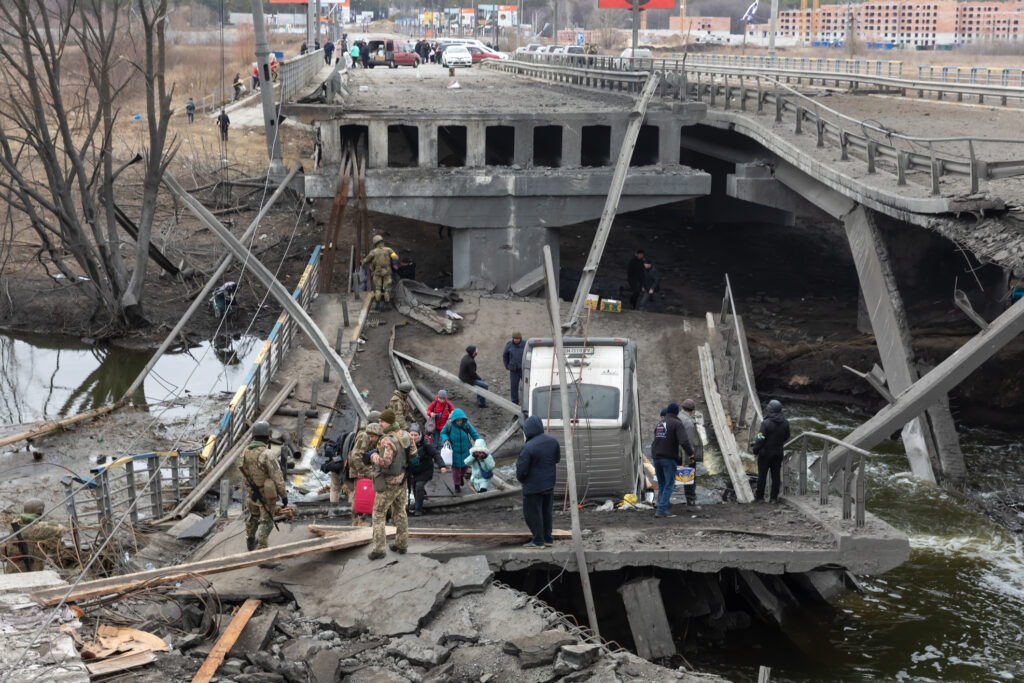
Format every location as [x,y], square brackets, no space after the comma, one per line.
[440,409]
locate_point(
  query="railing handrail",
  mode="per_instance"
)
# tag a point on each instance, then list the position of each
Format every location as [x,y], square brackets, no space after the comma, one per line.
[852,483]
[751,394]
[831,439]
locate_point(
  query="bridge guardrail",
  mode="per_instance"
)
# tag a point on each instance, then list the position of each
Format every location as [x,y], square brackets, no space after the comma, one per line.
[851,478]
[733,334]
[880,147]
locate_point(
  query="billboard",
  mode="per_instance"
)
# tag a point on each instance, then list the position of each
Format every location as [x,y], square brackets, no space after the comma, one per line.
[507,15]
[644,4]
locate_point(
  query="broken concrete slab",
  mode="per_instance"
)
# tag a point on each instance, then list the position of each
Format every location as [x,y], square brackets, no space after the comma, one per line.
[469,574]
[403,592]
[376,674]
[324,667]
[186,522]
[255,636]
[197,530]
[539,649]
[580,656]
[418,651]
[302,648]
[26,582]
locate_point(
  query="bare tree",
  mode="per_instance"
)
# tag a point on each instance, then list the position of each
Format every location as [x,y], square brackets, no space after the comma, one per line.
[63,67]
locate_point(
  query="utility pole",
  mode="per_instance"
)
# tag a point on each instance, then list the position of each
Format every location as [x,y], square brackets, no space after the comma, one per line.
[267,90]
[554,30]
[316,37]
[636,32]
[772,23]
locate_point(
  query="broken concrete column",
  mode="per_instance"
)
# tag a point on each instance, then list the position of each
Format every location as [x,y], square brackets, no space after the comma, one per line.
[523,151]
[378,143]
[572,145]
[892,336]
[494,258]
[428,145]
[476,144]
[668,143]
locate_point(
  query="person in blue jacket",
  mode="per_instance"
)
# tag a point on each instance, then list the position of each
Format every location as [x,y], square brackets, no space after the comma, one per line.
[460,433]
[535,470]
[481,464]
[512,357]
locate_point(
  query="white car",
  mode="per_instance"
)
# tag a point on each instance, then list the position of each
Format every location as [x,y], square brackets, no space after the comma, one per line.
[456,55]
[641,53]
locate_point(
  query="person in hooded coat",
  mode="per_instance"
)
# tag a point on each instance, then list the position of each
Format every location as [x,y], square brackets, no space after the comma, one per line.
[421,467]
[481,465]
[535,470]
[460,433]
[771,438]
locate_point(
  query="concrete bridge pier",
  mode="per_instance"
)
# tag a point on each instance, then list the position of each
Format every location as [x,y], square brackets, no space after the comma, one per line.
[930,440]
[494,258]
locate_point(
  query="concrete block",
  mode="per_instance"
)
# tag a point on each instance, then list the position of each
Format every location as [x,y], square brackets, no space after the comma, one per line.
[255,636]
[324,667]
[197,530]
[538,650]
[418,651]
[26,582]
[184,523]
[469,574]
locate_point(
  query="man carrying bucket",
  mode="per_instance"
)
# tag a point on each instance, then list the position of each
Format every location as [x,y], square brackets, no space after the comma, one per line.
[669,438]
[690,471]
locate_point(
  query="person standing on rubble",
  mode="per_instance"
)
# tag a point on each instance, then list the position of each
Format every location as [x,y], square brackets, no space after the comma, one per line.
[460,434]
[389,463]
[469,375]
[669,439]
[390,427]
[768,449]
[635,277]
[421,467]
[261,469]
[399,404]
[365,441]
[693,435]
[378,262]
[439,410]
[535,470]
[512,357]
[33,544]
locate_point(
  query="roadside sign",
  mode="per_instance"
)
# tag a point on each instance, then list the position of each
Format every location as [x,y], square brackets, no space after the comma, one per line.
[579,37]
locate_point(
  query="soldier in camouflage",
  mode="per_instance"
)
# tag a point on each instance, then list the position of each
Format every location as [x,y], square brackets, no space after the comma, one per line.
[34,547]
[399,405]
[358,466]
[340,482]
[389,464]
[264,482]
[379,262]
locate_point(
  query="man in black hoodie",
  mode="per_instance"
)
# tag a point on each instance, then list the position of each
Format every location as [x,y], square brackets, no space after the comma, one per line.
[468,374]
[771,438]
[669,437]
[535,470]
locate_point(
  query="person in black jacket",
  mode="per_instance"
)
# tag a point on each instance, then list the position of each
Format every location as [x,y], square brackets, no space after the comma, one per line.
[468,374]
[535,470]
[421,467]
[635,277]
[768,447]
[669,437]
[512,357]
[651,285]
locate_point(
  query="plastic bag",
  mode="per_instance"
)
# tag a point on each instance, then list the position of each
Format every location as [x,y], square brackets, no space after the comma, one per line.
[446,454]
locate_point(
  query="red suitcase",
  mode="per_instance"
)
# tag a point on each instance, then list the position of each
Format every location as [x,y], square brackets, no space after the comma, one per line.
[363,499]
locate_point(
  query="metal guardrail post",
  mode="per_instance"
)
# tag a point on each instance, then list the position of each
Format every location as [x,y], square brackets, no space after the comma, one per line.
[176,478]
[847,473]
[802,469]
[799,120]
[861,475]
[823,477]
[778,108]
[72,508]
[156,497]
[129,476]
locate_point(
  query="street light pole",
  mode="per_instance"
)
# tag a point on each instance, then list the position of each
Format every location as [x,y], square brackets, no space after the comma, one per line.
[636,31]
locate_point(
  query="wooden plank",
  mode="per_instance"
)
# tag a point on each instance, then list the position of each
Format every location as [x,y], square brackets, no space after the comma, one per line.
[726,439]
[567,427]
[165,575]
[226,640]
[647,618]
[113,665]
[331,530]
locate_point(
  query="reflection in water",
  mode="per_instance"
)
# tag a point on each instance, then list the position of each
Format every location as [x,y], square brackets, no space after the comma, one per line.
[43,377]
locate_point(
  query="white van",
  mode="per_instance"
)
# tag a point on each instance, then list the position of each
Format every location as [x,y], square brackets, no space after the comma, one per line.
[603,401]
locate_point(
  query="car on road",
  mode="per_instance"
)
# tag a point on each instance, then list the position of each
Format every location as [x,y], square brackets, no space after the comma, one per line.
[456,55]
[628,55]
[392,53]
[532,47]
[479,54]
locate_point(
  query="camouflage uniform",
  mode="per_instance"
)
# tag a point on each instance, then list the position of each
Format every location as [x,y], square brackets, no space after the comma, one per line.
[390,471]
[261,466]
[31,548]
[358,470]
[399,404]
[379,262]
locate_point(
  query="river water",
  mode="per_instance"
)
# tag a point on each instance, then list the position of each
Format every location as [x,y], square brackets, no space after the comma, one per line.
[45,377]
[952,613]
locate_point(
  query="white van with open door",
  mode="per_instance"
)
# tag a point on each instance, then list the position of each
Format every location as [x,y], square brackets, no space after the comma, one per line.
[603,402]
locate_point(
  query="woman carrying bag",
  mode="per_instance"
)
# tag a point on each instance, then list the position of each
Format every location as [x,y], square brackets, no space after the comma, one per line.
[460,434]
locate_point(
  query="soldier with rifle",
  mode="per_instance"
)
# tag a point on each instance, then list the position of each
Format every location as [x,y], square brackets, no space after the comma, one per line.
[264,484]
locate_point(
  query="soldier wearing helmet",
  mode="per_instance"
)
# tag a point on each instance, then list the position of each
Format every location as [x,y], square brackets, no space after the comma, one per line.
[380,263]
[36,542]
[264,483]
[399,403]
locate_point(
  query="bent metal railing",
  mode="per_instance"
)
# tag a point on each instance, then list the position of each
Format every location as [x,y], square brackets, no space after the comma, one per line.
[734,335]
[850,479]
[746,90]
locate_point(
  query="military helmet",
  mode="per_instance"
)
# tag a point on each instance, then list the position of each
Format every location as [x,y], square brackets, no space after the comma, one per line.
[374,428]
[377,238]
[34,506]
[405,387]
[261,428]
[373,416]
